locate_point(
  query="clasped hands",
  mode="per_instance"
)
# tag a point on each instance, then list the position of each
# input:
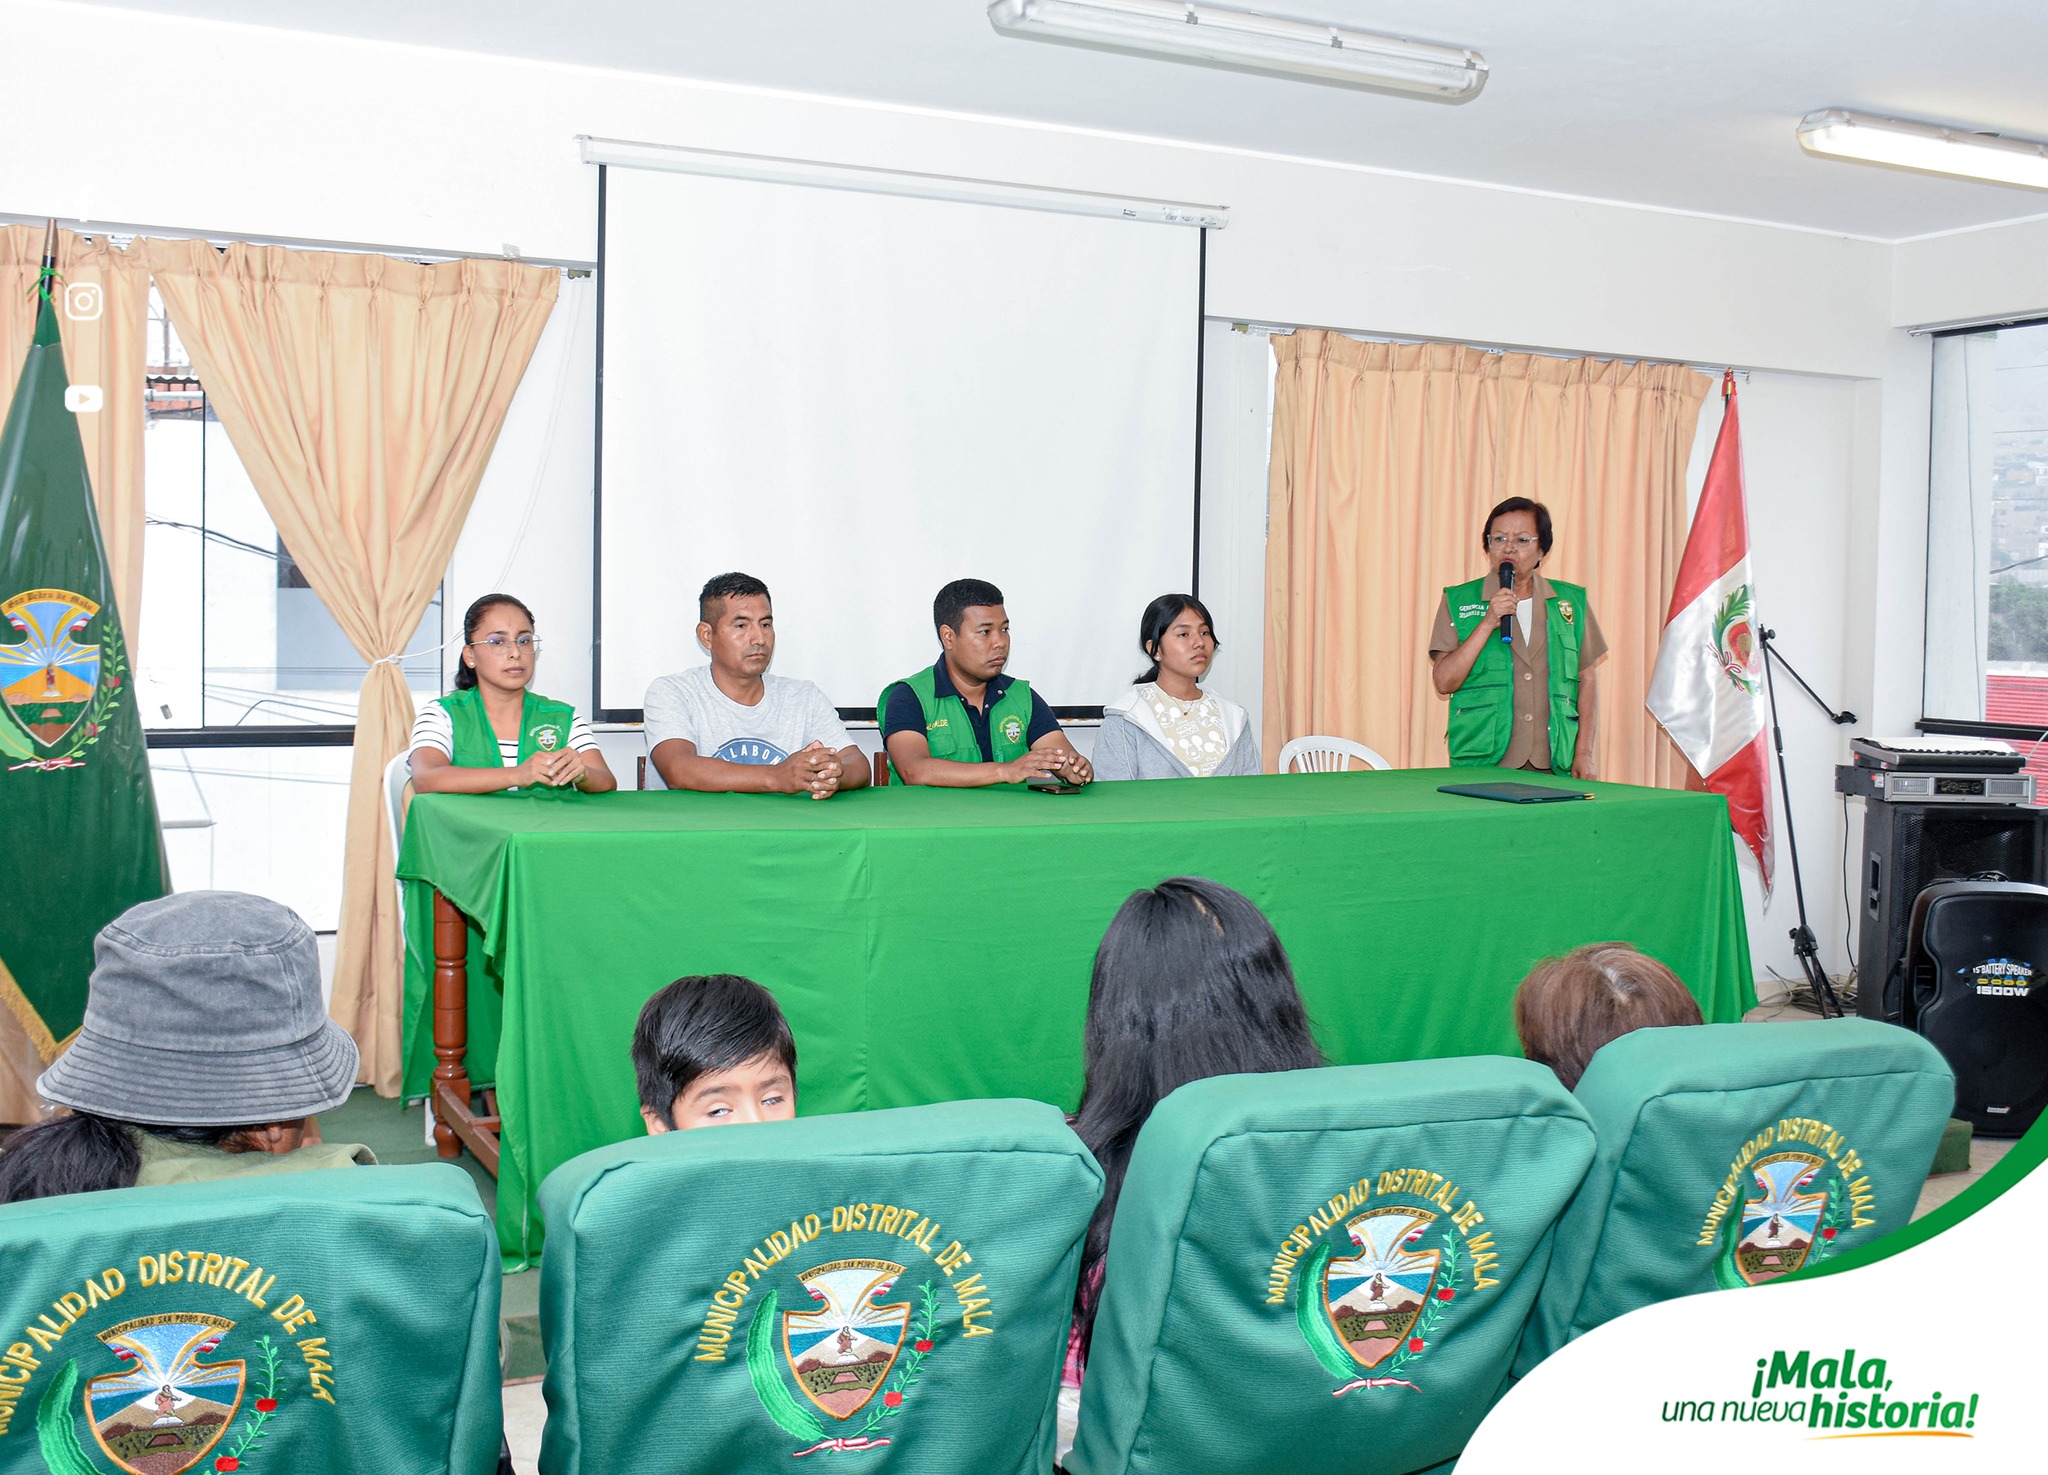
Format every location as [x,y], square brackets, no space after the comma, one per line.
[815,770]
[560,768]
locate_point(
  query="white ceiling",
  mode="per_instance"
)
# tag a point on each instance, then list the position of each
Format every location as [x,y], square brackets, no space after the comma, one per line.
[1685,106]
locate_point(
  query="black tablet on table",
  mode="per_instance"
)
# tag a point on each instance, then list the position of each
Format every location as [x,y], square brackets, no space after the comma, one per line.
[1514,793]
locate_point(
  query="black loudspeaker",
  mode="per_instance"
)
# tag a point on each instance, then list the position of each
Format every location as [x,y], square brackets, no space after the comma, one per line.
[1909,847]
[1977,990]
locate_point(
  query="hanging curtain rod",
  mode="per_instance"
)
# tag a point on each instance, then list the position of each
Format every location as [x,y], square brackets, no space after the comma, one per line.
[123,231]
[1287,330]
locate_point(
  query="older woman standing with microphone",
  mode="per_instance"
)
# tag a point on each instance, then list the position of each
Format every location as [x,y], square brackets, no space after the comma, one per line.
[1514,651]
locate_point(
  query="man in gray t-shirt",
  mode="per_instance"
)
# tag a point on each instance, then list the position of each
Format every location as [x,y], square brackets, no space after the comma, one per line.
[730,727]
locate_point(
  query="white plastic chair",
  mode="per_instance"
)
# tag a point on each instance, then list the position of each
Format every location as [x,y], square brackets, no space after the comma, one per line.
[1327,755]
[397,774]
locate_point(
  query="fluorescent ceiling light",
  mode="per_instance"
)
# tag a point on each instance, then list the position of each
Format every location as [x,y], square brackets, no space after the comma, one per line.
[772,170]
[1244,40]
[1925,148]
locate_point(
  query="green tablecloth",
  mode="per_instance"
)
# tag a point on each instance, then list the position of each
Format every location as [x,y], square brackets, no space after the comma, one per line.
[1410,917]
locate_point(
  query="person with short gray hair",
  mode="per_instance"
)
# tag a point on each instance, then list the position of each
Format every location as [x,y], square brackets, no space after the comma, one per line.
[205,1053]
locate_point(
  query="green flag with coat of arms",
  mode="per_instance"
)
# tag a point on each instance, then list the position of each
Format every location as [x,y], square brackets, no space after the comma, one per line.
[78,826]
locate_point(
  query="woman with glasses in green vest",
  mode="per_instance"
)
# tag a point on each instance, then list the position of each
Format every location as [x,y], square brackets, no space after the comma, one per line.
[1526,700]
[492,733]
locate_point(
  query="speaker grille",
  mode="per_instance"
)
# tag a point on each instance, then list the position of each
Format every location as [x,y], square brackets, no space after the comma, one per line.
[1911,846]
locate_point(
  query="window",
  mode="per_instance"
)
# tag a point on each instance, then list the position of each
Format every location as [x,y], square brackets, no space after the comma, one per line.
[232,635]
[247,684]
[1987,536]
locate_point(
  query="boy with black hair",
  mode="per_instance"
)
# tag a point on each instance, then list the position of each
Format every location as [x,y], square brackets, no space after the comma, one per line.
[711,1050]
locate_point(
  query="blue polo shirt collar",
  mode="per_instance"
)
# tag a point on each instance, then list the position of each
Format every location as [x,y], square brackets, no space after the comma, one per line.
[942,685]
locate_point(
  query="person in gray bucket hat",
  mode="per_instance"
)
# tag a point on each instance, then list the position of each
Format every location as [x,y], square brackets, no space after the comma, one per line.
[204,1053]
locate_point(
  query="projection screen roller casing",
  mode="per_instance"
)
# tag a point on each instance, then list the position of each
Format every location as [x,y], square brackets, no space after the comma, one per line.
[859,397]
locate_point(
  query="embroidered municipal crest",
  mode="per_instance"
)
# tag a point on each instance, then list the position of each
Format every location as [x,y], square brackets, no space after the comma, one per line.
[1375,1273]
[547,738]
[1792,1192]
[852,1355]
[842,1352]
[167,1407]
[1013,730]
[1735,639]
[57,685]
[1375,1296]
[1780,1228]
[175,1388]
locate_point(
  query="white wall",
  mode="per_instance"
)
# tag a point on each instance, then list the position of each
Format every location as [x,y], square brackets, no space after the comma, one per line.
[1237,435]
[324,139]
[1972,276]
[288,137]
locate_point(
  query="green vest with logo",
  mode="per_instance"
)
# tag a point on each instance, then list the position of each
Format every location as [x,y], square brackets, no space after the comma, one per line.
[947,729]
[543,728]
[1483,709]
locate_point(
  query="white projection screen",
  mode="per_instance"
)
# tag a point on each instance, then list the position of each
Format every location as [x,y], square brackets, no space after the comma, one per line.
[859,397]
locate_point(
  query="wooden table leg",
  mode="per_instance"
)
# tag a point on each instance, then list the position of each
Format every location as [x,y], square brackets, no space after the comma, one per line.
[457,1124]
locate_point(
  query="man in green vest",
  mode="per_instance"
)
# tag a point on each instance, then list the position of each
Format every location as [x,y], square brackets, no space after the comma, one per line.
[1526,702]
[963,724]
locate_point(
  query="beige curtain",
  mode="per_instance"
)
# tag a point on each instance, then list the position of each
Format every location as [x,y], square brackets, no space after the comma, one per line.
[109,350]
[1386,457]
[363,395]
[21,1058]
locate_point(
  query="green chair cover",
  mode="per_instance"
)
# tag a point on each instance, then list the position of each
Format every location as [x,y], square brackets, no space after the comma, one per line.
[1325,1270]
[1731,1154]
[893,1283]
[285,1324]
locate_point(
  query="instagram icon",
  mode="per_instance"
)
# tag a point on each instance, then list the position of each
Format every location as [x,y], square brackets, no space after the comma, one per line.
[83,301]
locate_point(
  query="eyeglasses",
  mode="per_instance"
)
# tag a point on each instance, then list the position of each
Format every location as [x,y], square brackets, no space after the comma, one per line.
[524,644]
[1504,542]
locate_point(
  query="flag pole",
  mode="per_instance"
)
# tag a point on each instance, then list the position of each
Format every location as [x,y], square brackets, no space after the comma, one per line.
[49,259]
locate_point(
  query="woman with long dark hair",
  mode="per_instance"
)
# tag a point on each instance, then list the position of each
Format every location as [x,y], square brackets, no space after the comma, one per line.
[1190,982]
[1166,726]
[493,732]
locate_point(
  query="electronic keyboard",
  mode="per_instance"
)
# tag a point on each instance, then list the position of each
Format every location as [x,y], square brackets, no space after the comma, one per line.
[1930,752]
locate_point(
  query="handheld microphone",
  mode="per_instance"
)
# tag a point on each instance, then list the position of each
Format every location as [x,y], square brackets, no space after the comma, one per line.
[1507,623]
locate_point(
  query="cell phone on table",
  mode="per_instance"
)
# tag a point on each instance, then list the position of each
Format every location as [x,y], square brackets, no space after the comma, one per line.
[1047,784]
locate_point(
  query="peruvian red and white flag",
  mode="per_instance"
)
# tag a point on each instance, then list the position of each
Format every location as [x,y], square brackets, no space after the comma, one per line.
[1708,690]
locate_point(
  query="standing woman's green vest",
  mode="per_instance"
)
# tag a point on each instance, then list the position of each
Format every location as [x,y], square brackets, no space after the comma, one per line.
[1483,709]
[949,732]
[543,727]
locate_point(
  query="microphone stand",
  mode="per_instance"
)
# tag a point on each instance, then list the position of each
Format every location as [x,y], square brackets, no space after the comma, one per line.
[1804,945]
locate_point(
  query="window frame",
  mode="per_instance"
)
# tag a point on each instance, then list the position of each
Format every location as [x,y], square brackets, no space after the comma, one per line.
[2016,732]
